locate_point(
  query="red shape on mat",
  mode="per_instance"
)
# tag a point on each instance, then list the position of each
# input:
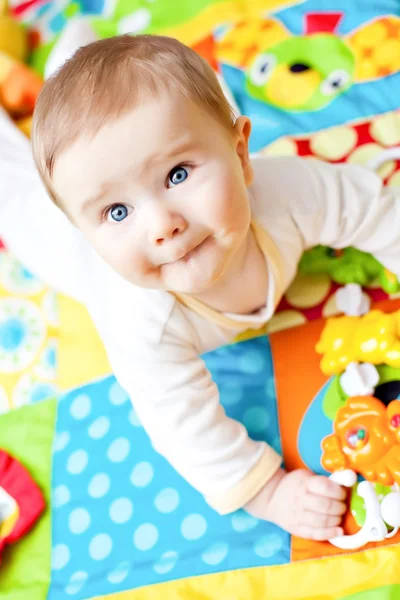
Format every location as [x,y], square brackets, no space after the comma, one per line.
[322,22]
[19,9]
[17,482]
[33,39]
[206,49]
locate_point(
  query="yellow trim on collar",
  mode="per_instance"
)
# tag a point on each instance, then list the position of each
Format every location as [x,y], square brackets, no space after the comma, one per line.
[270,251]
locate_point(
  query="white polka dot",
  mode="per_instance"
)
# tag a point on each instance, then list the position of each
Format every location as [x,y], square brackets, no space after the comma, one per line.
[119,574]
[99,485]
[256,419]
[61,441]
[193,527]
[288,318]
[251,362]
[394,181]
[230,394]
[242,521]
[80,407]
[145,536]
[142,474]
[268,545]
[76,583]
[117,395]
[61,496]
[118,450]
[77,462]
[334,143]
[121,510]
[133,418]
[100,546]
[166,562]
[79,521]
[307,291]
[215,554]
[282,147]
[167,500]
[60,557]
[99,428]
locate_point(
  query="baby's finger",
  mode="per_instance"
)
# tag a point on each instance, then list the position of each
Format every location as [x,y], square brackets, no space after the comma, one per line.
[318,521]
[324,505]
[322,486]
[318,534]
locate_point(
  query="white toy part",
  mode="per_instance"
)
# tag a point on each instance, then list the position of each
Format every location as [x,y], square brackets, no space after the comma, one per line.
[8,505]
[383,157]
[76,34]
[344,477]
[359,379]
[390,510]
[378,515]
[352,301]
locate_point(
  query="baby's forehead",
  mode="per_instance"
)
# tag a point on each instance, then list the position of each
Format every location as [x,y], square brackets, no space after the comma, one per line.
[157,124]
[140,138]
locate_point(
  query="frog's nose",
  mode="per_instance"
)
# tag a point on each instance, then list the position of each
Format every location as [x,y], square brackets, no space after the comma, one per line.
[299,67]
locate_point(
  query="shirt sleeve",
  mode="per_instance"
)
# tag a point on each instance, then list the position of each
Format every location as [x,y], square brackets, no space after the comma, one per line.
[179,406]
[339,206]
[35,230]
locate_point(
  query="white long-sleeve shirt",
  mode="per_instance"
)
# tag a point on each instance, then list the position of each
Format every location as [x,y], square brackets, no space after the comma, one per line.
[154,340]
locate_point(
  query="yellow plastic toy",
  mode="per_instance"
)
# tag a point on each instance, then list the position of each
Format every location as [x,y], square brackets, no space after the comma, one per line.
[372,338]
[13,38]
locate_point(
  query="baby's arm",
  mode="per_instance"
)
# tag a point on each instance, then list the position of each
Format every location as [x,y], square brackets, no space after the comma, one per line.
[33,229]
[179,406]
[337,205]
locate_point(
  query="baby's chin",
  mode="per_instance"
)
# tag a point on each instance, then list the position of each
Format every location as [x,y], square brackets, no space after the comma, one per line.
[191,287]
[190,280]
[196,275]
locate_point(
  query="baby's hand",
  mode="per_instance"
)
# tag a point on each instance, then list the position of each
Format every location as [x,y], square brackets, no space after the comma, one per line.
[309,506]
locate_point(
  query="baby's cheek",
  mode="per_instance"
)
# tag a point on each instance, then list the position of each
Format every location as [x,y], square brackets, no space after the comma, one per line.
[121,255]
[224,202]
[135,265]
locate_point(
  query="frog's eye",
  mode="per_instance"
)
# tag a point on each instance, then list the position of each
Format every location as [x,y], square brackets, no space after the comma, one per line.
[262,68]
[335,82]
[357,438]
[334,253]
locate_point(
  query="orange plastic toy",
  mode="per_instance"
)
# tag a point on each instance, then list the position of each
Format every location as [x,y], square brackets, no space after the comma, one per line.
[19,84]
[366,439]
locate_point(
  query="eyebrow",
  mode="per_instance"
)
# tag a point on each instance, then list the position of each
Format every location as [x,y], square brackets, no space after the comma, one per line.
[92,200]
[183,146]
[180,148]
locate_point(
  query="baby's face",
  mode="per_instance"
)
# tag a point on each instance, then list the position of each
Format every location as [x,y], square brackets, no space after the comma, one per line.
[161,194]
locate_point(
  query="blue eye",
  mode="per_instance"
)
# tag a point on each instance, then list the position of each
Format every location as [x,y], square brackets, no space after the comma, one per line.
[177,175]
[117,213]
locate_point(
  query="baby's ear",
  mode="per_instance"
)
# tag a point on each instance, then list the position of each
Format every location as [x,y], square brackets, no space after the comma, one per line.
[243,130]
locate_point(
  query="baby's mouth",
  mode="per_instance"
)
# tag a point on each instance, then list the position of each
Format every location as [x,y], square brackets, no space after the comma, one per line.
[186,256]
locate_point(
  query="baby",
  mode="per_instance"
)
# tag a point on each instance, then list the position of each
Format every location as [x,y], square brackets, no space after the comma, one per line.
[177,241]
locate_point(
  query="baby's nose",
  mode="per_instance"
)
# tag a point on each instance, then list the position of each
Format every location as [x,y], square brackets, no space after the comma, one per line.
[166,227]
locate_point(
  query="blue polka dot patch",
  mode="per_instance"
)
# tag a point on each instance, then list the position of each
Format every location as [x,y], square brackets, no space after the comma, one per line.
[123,518]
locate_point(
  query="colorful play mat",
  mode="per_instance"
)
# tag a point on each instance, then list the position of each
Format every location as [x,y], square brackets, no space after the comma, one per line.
[109,518]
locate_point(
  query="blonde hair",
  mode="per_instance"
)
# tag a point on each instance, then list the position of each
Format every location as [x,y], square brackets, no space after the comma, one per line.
[108,78]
